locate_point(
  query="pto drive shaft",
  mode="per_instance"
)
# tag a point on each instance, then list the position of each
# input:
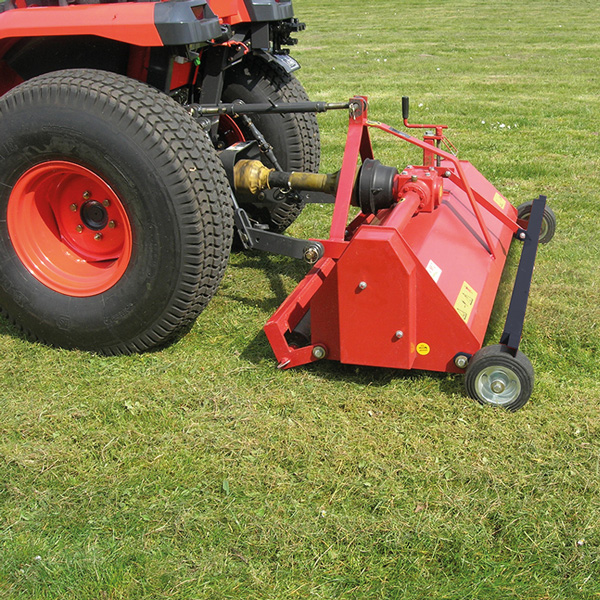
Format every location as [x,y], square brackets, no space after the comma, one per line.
[253,177]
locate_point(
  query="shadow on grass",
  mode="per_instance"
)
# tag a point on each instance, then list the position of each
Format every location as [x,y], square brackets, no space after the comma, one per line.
[275,268]
[259,349]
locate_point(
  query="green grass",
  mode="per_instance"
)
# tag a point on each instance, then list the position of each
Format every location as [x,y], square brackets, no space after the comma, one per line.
[202,472]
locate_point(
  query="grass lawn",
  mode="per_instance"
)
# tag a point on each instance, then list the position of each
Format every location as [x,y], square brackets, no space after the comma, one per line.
[202,472]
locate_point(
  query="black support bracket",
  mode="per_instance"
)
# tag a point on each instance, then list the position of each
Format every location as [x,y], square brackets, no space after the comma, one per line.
[515,318]
[258,238]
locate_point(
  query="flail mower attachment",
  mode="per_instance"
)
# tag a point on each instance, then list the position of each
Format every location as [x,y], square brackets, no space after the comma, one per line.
[411,281]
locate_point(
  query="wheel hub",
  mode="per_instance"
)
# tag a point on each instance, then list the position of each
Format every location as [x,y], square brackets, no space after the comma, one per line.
[93,215]
[498,385]
[57,218]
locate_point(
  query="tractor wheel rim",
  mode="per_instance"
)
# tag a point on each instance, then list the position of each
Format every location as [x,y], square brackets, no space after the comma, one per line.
[69,228]
[498,385]
[229,132]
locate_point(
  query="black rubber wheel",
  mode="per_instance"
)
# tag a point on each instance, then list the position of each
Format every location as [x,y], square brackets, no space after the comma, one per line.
[149,175]
[294,137]
[548,220]
[494,376]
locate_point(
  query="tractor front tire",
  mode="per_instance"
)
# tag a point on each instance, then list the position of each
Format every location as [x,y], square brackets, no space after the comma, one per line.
[115,213]
[293,136]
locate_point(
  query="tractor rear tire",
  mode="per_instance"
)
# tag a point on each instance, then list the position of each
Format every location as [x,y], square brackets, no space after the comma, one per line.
[115,213]
[294,136]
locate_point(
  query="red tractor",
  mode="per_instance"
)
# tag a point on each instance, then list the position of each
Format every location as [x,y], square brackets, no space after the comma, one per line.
[116,216]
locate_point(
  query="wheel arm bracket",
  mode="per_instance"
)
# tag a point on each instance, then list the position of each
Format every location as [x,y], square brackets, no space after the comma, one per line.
[257,238]
[515,318]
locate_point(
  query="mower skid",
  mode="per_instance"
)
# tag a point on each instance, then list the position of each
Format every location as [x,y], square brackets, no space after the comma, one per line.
[282,324]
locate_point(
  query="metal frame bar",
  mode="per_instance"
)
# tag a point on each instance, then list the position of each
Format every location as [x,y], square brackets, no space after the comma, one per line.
[515,318]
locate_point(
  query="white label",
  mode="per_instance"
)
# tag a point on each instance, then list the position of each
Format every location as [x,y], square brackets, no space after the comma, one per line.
[433,270]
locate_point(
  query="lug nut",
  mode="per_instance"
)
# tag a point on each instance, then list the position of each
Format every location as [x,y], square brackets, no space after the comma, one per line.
[319,352]
[98,237]
[112,224]
[87,195]
[106,202]
[79,228]
[414,178]
[73,207]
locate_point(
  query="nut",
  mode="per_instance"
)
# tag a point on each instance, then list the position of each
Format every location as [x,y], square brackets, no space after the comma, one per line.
[319,352]
[461,361]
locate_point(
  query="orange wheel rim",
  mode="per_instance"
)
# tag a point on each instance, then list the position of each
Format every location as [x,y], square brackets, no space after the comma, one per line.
[69,228]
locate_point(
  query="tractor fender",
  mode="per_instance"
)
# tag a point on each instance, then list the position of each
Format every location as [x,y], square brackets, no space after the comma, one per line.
[139,23]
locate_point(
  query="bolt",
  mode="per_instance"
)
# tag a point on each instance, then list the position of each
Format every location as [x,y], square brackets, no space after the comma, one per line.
[73,207]
[427,174]
[106,202]
[79,228]
[261,196]
[522,235]
[414,178]
[399,334]
[461,361]
[319,352]
[87,195]
[311,254]
[498,386]
[98,237]
[112,224]
[362,285]
[447,174]
[404,173]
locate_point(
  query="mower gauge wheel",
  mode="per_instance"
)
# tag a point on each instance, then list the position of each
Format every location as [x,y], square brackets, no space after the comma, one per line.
[548,220]
[494,376]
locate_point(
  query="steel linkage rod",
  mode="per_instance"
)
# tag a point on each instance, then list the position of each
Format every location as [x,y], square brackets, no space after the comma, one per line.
[237,108]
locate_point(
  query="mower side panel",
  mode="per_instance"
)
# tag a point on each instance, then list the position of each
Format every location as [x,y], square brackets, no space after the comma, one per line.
[411,291]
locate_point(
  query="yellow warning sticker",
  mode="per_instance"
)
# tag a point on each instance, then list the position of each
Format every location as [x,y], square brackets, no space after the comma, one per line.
[423,349]
[465,302]
[500,201]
